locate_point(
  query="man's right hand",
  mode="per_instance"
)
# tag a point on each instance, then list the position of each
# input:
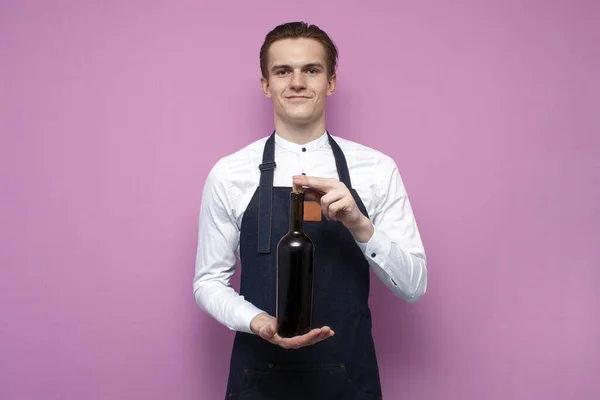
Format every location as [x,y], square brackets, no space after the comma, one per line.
[265,326]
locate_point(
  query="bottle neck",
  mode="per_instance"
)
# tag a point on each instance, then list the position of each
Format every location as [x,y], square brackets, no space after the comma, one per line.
[296,212]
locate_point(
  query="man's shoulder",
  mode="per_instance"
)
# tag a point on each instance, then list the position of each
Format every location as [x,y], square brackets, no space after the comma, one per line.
[358,152]
[242,158]
[249,151]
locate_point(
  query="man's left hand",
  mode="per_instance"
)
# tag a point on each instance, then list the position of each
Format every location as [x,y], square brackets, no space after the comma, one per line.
[337,204]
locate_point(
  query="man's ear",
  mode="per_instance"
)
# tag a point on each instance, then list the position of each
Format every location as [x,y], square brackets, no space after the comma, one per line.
[265,86]
[331,85]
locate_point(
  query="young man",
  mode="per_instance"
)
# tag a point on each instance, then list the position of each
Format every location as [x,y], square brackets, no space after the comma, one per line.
[366,223]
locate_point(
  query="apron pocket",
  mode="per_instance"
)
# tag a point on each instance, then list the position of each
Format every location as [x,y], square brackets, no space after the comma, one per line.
[250,386]
[301,382]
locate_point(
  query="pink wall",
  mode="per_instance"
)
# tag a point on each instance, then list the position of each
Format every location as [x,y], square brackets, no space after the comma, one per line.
[112,115]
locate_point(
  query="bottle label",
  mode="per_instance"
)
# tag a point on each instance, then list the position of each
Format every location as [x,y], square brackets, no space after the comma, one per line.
[312,211]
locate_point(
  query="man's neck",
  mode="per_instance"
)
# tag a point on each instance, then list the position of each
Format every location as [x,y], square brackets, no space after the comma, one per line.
[300,134]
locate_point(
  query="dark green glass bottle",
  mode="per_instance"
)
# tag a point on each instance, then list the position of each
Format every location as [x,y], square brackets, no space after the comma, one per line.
[295,274]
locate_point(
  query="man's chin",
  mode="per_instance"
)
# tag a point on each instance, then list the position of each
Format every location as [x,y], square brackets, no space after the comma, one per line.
[302,121]
[300,115]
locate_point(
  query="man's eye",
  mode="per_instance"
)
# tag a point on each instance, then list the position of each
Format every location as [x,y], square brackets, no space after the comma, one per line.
[281,72]
[312,71]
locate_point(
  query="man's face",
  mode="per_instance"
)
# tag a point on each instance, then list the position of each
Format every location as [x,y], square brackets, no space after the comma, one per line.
[297,81]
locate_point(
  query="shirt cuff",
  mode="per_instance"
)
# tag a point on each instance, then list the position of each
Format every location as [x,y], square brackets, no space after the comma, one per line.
[244,315]
[377,249]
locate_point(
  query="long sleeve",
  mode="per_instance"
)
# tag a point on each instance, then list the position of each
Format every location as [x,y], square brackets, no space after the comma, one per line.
[395,251]
[218,238]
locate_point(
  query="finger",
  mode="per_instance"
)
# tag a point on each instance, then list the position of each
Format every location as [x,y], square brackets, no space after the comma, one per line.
[343,206]
[326,332]
[311,194]
[307,338]
[298,341]
[323,184]
[313,337]
[330,199]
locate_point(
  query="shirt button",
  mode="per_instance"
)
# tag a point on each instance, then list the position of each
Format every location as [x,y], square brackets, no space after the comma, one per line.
[373,254]
[304,149]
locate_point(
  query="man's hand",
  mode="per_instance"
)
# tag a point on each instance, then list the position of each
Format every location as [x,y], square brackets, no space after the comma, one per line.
[265,326]
[337,204]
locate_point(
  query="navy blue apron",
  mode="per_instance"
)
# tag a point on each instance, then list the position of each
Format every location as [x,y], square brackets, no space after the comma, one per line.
[341,367]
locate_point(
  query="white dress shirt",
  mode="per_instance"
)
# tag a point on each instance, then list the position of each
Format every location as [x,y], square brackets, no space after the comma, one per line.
[395,251]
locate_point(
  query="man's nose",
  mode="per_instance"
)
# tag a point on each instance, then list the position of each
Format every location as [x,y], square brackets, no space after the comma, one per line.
[298,81]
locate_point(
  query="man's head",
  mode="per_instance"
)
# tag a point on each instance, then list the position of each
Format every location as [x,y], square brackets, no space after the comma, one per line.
[298,64]
[294,30]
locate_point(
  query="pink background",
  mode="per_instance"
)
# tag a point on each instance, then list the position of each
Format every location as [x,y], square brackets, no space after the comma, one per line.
[111,116]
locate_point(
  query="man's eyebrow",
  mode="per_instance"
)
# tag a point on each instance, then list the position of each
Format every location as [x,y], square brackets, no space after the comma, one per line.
[285,66]
[314,65]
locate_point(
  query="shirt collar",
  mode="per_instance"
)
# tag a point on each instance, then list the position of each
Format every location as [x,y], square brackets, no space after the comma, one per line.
[297,148]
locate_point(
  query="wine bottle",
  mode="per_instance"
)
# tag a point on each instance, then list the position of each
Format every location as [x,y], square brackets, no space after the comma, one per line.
[295,253]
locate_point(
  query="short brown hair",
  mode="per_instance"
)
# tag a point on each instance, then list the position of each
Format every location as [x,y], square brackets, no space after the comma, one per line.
[294,30]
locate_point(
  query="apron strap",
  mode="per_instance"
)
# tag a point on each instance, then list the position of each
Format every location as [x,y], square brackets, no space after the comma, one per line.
[265,193]
[265,196]
[340,162]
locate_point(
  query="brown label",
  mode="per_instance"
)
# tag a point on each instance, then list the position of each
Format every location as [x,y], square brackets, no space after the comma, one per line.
[312,211]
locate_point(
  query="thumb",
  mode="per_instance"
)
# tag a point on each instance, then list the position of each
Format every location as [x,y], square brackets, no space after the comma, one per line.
[269,330]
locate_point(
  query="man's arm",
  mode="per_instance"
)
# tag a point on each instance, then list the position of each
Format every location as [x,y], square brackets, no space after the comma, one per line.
[218,237]
[394,248]
[390,239]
